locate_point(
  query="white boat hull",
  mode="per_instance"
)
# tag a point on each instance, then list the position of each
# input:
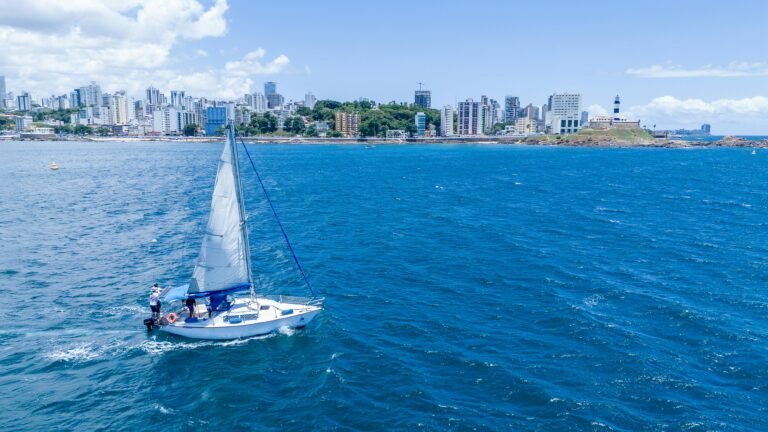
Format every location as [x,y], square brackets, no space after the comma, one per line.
[240,322]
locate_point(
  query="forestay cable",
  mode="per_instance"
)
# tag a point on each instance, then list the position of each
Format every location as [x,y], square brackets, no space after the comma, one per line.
[274,212]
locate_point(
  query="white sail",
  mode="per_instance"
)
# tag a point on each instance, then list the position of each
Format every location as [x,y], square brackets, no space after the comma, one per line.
[223,261]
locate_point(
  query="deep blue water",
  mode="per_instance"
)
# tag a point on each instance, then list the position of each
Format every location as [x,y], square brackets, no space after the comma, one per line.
[468,288]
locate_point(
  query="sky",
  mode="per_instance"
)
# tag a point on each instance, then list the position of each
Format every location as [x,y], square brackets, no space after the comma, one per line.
[674,63]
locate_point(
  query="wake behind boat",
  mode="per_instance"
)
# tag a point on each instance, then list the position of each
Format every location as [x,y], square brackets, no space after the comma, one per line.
[214,306]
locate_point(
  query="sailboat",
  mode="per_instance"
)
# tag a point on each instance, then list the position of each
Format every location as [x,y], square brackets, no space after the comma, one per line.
[54,166]
[220,301]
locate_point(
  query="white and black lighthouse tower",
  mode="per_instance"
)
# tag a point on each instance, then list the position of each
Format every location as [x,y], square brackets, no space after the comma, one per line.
[616,105]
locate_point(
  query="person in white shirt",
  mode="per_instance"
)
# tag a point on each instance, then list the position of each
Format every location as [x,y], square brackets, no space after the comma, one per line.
[154,301]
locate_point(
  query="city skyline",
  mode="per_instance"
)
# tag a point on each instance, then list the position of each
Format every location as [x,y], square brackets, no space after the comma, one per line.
[669,71]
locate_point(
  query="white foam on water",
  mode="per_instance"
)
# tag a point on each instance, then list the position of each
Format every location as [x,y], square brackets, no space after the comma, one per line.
[79,353]
[286,331]
[155,347]
[163,409]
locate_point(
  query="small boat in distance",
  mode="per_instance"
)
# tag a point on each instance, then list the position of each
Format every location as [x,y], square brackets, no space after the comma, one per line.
[754,151]
[54,166]
[209,307]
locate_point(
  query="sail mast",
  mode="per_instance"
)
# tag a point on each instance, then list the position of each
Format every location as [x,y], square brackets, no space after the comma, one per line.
[239,191]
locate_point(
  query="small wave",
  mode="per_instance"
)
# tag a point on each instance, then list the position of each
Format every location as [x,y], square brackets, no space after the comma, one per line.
[593,300]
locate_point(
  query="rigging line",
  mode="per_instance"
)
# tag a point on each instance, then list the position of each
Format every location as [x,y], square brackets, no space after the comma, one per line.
[274,212]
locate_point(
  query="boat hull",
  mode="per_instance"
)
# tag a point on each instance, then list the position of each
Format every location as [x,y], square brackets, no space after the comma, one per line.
[216,330]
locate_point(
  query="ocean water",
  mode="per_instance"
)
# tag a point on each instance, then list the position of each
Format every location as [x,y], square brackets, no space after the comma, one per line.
[468,288]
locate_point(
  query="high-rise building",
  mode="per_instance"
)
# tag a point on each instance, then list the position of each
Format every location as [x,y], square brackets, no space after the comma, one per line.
[423,98]
[584,118]
[177,98]
[544,109]
[270,87]
[347,123]
[153,97]
[310,100]
[421,123]
[511,109]
[470,122]
[706,129]
[89,95]
[564,114]
[215,119]
[3,91]
[275,100]
[446,121]
[24,102]
[259,103]
[531,111]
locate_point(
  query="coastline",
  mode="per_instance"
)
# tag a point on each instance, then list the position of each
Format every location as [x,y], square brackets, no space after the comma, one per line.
[537,140]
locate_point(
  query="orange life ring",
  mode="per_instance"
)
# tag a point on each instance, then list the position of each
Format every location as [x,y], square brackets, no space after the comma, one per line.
[172,317]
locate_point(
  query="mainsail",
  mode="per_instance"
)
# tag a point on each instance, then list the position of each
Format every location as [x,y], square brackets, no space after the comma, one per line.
[223,263]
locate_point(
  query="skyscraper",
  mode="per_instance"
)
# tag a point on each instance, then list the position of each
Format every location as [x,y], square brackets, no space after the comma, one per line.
[153,96]
[177,98]
[469,118]
[446,121]
[511,109]
[270,87]
[24,102]
[423,98]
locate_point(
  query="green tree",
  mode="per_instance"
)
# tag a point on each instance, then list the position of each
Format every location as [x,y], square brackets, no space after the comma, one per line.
[335,134]
[304,111]
[294,125]
[104,131]
[190,129]
[311,131]
[83,130]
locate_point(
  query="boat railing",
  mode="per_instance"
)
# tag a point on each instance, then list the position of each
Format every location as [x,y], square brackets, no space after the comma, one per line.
[309,301]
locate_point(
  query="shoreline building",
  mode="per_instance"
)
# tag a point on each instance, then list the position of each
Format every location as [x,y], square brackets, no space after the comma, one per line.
[564,113]
[470,114]
[614,121]
[347,123]
[421,123]
[446,121]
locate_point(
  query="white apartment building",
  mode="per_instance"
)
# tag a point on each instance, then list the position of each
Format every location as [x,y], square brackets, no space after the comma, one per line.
[446,121]
[564,115]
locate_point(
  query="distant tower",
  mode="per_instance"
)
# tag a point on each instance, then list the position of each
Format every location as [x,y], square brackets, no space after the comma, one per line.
[616,104]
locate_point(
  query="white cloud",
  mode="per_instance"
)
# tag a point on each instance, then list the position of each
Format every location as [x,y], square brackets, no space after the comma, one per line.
[595,110]
[734,69]
[745,115]
[53,46]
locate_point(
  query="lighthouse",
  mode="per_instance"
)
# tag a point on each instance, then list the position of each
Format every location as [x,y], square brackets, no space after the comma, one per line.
[616,104]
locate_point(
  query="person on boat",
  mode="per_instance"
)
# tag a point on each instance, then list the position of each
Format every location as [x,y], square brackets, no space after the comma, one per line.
[191,306]
[154,301]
